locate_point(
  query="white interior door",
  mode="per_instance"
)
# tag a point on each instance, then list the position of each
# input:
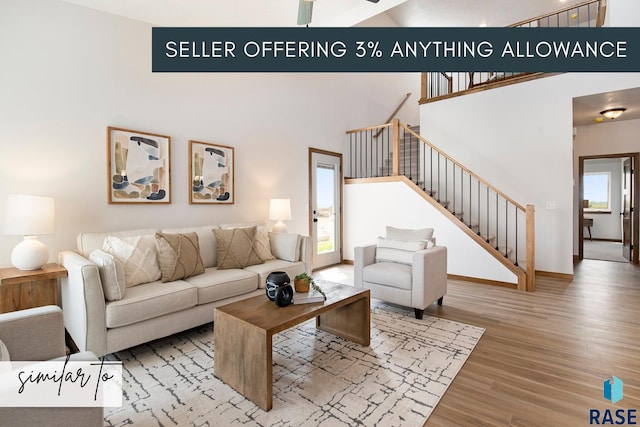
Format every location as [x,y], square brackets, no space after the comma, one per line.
[326,207]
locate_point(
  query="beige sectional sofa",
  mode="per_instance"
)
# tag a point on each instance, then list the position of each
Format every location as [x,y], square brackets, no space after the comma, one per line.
[156,309]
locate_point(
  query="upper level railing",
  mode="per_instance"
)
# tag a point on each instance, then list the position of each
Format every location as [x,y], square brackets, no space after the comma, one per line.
[439,85]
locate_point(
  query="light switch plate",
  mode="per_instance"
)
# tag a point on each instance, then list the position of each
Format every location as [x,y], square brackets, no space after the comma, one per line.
[550,205]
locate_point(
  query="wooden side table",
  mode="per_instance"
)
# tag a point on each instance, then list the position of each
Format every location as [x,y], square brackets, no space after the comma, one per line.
[27,289]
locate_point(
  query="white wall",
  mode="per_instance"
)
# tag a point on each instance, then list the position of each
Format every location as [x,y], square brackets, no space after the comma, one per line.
[369,206]
[607,226]
[610,137]
[519,138]
[622,13]
[69,72]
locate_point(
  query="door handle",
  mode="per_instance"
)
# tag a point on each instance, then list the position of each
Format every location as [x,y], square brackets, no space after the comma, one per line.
[315,219]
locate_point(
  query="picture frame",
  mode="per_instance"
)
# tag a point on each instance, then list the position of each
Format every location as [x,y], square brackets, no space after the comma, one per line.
[211,173]
[138,167]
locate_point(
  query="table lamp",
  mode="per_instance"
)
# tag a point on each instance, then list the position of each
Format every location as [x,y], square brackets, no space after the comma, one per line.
[279,210]
[29,216]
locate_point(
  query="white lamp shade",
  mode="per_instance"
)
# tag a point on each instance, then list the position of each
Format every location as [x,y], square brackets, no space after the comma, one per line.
[29,215]
[280,210]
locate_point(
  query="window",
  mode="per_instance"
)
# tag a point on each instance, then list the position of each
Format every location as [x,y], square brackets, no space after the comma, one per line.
[597,191]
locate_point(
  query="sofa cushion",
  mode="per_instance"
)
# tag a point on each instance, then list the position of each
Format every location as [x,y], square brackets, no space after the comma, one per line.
[422,234]
[393,250]
[263,270]
[178,256]
[206,242]
[285,246]
[214,284]
[111,274]
[390,274]
[138,255]
[150,300]
[88,242]
[235,248]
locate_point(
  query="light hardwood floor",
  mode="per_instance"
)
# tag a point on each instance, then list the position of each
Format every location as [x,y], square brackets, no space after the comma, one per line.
[544,355]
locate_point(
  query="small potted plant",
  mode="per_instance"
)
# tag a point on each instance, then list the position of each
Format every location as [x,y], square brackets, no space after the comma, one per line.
[302,281]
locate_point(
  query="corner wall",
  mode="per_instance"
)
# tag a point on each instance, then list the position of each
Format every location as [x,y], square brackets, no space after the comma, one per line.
[68,72]
[519,138]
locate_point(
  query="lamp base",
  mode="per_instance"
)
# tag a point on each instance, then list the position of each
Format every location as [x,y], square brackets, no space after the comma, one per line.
[30,254]
[279,227]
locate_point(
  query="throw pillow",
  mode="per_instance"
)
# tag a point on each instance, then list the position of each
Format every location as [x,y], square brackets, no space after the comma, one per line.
[262,244]
[285,246]
[235,248]
[393,250]
[111,274]
[138,255]
[4,353]
[179,256]
[421,234]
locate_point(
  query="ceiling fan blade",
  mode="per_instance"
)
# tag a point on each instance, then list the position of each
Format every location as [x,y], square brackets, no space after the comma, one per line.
[374,1]
[305,10]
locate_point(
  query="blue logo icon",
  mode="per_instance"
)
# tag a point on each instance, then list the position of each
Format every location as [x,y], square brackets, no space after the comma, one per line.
[613,389]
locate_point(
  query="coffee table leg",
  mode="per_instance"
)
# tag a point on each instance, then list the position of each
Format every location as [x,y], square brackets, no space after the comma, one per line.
[243,358]
[351,321]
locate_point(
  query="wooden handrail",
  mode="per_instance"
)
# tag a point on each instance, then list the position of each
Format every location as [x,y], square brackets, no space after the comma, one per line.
[394,113]
[500,193]
[557,12]
[369,128]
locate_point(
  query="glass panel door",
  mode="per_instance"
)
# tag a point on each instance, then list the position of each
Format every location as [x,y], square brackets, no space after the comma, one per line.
[326,198]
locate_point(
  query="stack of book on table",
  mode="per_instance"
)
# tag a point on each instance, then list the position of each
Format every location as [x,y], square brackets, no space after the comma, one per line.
[307,297]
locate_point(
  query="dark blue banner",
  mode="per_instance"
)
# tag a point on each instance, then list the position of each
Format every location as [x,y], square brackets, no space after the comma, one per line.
[394,49]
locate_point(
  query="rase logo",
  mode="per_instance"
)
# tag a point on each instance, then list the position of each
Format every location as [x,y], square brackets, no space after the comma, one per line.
[612,390]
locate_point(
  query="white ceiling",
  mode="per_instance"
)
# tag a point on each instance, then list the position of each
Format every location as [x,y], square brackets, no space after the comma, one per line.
[283,13]
[345,13]
[587,108]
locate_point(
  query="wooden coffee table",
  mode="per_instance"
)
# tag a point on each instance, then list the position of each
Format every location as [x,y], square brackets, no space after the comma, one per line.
[243,331]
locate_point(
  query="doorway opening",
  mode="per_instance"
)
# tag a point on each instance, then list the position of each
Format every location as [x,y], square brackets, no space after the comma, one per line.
[608,220]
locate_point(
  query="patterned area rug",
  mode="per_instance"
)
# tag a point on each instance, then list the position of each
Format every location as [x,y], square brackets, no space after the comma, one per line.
[318,378]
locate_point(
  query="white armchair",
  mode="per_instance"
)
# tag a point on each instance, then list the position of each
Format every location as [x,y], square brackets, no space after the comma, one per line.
[399,271]
[37,334]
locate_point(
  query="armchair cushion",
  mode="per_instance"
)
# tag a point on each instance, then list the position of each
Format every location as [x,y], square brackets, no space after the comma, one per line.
[394,250]
[391,274]
[4,353]
[33,334]
[421,234]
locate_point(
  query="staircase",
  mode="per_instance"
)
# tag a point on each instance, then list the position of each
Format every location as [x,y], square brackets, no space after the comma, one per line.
[496,222]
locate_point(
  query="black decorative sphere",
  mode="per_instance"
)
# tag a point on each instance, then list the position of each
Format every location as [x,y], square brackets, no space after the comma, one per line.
[274,281]
[284,295]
